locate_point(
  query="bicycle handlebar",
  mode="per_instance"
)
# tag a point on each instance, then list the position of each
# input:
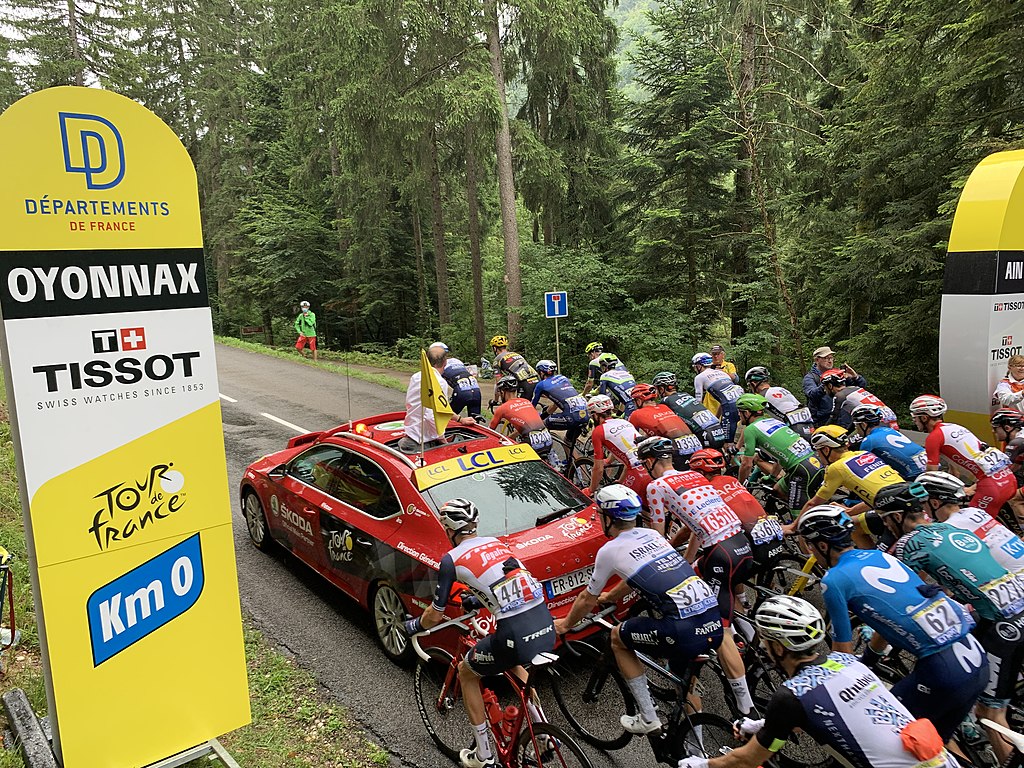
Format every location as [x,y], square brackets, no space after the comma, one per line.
[469,622]
[1016,739]
[594,618]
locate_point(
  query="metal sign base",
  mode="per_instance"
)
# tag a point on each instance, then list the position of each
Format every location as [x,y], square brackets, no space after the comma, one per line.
[200,750]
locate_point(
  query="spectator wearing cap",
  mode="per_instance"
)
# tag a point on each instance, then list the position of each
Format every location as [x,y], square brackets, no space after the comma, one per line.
[819,400]
[718,361]
[420,428]
[305,326]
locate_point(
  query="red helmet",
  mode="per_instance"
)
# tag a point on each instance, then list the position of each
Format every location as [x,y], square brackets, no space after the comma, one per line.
[707,460]
[641,393]
[833,376]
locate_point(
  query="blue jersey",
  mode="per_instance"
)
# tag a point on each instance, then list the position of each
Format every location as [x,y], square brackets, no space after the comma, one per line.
[560,391]
[893,600]
[895,449]
[617,384]
[465,388]
[726,393]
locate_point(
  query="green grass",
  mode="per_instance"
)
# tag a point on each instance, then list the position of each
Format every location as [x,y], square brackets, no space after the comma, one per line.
[335,362]
[293,724]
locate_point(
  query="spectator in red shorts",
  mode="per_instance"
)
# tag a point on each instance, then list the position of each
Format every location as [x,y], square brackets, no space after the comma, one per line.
[305,326]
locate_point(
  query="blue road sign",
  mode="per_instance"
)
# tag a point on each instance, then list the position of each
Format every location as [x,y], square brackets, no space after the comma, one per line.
[556,304]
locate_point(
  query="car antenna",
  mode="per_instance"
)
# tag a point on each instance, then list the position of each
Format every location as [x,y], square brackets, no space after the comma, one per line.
[348,378]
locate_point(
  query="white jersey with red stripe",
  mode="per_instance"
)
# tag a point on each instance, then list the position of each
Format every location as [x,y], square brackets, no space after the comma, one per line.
[965,450]
[620,438]
[691,499]
[491,572]
[1005,546]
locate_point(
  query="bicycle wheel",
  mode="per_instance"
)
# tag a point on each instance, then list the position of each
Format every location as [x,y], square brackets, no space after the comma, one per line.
[592,695]
[704,735]
[548,746]
[439,701]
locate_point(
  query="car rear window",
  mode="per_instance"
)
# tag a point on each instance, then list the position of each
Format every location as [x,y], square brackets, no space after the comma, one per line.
[512,497]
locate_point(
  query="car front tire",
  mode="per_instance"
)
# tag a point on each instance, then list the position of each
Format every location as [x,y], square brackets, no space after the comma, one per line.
[256,521]
[388,613]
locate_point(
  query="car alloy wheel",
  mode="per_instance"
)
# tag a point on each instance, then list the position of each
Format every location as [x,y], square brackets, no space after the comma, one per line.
[256,521]
[388,619]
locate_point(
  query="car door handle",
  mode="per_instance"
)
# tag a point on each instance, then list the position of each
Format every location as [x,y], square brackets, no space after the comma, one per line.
[363,541]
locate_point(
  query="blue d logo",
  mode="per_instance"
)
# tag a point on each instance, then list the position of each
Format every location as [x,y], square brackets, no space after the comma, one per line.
[93,147]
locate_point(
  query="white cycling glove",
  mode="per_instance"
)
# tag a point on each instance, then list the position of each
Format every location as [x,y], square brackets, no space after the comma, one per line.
[693,762]
[749,727]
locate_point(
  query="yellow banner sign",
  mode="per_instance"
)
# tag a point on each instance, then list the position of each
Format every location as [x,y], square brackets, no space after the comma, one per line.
[435,474]
[112,386]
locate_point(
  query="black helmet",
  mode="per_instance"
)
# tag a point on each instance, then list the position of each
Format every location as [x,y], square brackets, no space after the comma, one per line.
[901,497]
[655,447]
[866,414]
[826,522]
[459,515]
[758,373]
[664,379]
[509,384]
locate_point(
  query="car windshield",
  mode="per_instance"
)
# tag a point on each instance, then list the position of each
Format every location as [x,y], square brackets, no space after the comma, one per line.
[512,497]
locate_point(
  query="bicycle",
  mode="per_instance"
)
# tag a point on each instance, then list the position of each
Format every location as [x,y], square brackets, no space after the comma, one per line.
[518,741]
[592,695]
[1015,739]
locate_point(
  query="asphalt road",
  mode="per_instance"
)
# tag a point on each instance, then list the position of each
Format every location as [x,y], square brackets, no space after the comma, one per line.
[325,632]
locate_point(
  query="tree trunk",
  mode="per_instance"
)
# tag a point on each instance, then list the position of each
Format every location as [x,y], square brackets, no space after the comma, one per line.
[506,181]
[424,323]
[76,46]
[741,251]
[268,326]
[444,308]
[473,210]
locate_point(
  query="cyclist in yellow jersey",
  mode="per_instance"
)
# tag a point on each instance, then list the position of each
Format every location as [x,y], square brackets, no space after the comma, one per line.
[859,472]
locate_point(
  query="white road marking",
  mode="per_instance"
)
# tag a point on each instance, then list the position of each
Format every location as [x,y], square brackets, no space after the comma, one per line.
[284,423]
[225,397]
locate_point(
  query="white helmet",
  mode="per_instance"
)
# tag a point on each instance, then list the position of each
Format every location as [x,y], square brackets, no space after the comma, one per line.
[791,621]
[459,515]
[943,486]
[927,405]
[304,304]
[599,404]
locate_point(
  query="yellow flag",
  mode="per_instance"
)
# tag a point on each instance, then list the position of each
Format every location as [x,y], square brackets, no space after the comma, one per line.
[432,395]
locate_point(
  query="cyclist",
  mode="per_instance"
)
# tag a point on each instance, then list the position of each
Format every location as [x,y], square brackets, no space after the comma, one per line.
[915,617]
[654,418]
[846,396]
[763,530]
[594,350]
[620,438]
[891,446]
[782,404]
[991,467]
[702,422]
[1007,424]
[834,698]
[716,543]
[616,382]
[962,564]
[802,473]
[571,415]
[465,387]
[715,388]
[514,597]
[645,561]
[519,413]
[861,473]
[508,363]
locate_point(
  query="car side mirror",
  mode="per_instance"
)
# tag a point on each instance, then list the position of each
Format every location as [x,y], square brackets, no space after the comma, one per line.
[279,471]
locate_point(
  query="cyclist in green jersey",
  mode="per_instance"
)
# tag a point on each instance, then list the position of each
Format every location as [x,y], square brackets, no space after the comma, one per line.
[802,473]
[962,564]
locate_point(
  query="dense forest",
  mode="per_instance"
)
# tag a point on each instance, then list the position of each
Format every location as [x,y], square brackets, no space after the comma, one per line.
[769,174]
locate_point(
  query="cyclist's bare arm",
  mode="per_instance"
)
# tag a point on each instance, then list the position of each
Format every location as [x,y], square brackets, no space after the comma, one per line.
[746,467]
[615,594]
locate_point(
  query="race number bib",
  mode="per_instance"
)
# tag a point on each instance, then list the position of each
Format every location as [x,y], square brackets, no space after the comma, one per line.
[766,529]
[517,589]
[1007,594]
[731,394]
[539,439]
[704,419]
[800,448]
[687,444]
[939,621]
[993,460]
[692,596]
[799,416]
[576,403]
[467,384]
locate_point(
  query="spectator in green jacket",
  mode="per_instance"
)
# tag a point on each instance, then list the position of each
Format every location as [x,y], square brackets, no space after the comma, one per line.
[305,326]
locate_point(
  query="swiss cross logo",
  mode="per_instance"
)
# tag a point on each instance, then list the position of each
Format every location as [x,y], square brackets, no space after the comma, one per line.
[1007,341]
[997,308]
[118,340]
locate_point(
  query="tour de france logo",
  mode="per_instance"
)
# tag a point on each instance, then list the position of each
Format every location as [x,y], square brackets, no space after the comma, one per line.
[92,147]
[133,505]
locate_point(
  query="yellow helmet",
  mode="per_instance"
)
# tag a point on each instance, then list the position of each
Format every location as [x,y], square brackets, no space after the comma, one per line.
[830,436]
[499,341]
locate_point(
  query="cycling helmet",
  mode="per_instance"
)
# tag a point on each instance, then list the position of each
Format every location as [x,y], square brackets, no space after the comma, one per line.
[900,497]
[508,384]
[655,447]
[826,522]
[618,502]
[594,346]
[829,436]
[664,379]
[599,404]
[707,460]
[641,393]
[752,403]
[701,358]
[499,341]
[790,621]
[834,376]
[304,304]
[927,405]
[757,373]
[545,366]
[608,360]
[459,515]
[943,486]
[1008,418]
[866,414]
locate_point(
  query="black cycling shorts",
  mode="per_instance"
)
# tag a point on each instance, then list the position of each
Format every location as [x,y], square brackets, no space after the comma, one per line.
[723,566]
[679,640]
[516,640]
[802,482]
[1003,641]
[468,399]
